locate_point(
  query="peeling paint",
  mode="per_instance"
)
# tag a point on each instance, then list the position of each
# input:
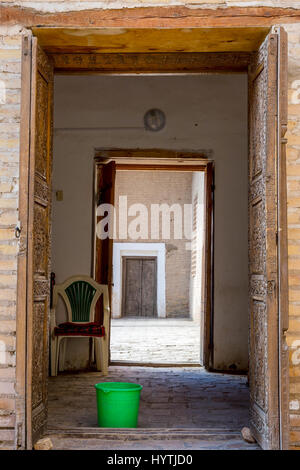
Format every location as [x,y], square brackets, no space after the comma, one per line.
[66,6]
[13,30]
[294,405]
[296,354]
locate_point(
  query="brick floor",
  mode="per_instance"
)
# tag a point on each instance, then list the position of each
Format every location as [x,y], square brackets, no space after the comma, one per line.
[172,398]
[160,341]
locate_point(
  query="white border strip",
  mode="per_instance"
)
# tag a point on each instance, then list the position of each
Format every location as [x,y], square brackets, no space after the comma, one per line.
[139,249]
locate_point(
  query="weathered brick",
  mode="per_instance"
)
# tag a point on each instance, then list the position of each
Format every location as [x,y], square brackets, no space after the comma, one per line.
[293,234]
[294,279]
[7,388]
[7,373]
[8,264]
[8,311]
[12,97]
[8,326]
[7,342]
[293,217]
[294,324]
[7,294]
[294,387]
[294,295]
[8,203]
[294,201]
[7,404]
[294,250]
[7,234]
[293,170]
[8,54]
[294,263]
[7,435]
[295,436]
[7,421]
[295,420]
[11,249]
[8,217]
[8,143]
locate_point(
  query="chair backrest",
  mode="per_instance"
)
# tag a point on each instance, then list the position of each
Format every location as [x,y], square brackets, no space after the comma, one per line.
[80,294]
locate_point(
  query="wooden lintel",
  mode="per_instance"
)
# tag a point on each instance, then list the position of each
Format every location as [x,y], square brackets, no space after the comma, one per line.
[152,62]
[159,167]
[119,155]
[151,17]
[141,40]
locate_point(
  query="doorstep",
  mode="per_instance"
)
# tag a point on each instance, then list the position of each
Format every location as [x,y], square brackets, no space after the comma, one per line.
[148,439]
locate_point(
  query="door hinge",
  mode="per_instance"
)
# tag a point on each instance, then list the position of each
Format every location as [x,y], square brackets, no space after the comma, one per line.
[26,45]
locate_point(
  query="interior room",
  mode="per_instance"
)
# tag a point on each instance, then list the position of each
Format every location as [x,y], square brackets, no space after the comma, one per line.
[205,113]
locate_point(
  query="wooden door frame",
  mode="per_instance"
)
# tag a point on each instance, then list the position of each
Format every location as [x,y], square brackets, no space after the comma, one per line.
[140,257]
[116,63]
[172,160]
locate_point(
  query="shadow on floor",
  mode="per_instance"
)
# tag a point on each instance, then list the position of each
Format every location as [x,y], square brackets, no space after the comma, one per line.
[189,399]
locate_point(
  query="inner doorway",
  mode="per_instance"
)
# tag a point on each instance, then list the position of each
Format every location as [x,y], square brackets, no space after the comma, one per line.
[264,392]
[162,203]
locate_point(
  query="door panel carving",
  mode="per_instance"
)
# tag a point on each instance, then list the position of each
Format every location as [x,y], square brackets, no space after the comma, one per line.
[263,250]
[39,240]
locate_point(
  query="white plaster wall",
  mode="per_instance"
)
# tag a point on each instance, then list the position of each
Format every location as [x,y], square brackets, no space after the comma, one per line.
[203,112]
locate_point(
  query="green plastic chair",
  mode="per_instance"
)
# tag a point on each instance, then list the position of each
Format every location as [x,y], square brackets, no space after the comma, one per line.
[80,295]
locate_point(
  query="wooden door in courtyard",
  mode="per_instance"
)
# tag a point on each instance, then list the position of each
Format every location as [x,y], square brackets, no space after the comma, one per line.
[267,240]
[139,287]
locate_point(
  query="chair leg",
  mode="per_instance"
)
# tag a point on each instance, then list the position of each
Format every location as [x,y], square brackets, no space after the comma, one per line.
[53,355]
[104,355]
[98,353]
[59,338]
[61,361]
[93,351]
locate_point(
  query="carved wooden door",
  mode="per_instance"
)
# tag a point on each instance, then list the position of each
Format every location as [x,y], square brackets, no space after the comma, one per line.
[266,75]
[39,237]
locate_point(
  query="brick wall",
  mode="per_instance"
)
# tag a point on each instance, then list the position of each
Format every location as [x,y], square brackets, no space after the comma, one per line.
[10,83]
[171,188]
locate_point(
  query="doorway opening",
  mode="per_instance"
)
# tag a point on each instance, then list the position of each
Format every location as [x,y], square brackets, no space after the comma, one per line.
[157,257]
[226,136]
[145,178]
[157,303]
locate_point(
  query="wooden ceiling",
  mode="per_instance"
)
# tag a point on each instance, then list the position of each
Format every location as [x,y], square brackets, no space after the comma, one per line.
[116,40]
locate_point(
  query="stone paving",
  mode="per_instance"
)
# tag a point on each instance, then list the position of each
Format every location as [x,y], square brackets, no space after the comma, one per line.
[155,341]
[61,442]
[189,399]
[171,398]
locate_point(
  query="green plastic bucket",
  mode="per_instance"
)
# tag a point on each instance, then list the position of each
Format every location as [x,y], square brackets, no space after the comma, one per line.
[118,404]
